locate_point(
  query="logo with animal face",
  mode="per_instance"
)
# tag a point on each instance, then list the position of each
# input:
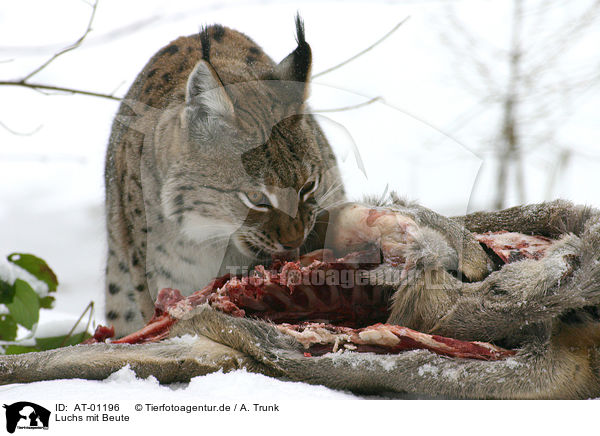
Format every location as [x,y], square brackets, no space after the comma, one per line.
[26,415]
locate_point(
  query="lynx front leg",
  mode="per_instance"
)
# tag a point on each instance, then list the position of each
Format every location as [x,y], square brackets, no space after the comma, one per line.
[122,310]
[128,302]
[121,297]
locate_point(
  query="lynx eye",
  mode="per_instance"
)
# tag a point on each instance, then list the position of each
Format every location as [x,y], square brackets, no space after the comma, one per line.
[309,188]
[256,200]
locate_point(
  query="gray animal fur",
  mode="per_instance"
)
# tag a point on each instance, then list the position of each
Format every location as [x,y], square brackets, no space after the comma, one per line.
[545,309]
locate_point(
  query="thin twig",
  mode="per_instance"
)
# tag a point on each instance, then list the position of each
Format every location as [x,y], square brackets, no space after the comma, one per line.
[66,49]
[89,307]
[14,132]
[43,158]
[328,70]
[117,87]
[472,49]
[349,108]
[40,86]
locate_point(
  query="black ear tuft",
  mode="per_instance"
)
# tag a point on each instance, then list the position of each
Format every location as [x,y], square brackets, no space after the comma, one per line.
[302,55]
[296,66]
[300,29]
[205,41]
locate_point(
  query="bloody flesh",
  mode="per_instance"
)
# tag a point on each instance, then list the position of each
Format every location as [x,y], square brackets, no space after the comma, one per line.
[511,246]
[319,339]
[325,305]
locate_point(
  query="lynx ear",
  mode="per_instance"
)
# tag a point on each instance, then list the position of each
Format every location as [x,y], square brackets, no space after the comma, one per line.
[295,68]
[204,89]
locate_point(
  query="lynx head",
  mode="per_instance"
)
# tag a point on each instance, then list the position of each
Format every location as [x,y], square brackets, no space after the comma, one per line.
[242,157]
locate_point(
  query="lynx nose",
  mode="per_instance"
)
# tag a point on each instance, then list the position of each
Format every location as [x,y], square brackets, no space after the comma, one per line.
[290,245]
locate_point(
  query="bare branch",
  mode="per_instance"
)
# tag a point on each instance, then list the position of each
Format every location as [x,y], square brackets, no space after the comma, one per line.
[118,87]
[14,132]
[42,158]
[359,54]
[473,51]
[563,39]
[557,169]
[533,103]
[349,108]
[66,49]
[587,156]
[40,86]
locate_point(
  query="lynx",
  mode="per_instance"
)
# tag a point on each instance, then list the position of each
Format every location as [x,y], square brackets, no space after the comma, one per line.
[214,161]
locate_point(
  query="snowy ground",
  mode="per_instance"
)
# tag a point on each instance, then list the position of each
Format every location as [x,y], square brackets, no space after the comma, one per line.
[51,185]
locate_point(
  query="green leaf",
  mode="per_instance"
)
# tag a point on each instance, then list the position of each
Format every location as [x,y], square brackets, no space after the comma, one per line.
[37,267]
[25,307]
[61,341]
[47,302]
[19,349]
[7,292]
[8,328]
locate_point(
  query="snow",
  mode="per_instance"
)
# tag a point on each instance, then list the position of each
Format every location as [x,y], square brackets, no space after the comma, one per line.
[9,272]
[51,182]
[453,373]
[428,369]
[233,386]
[59,323]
